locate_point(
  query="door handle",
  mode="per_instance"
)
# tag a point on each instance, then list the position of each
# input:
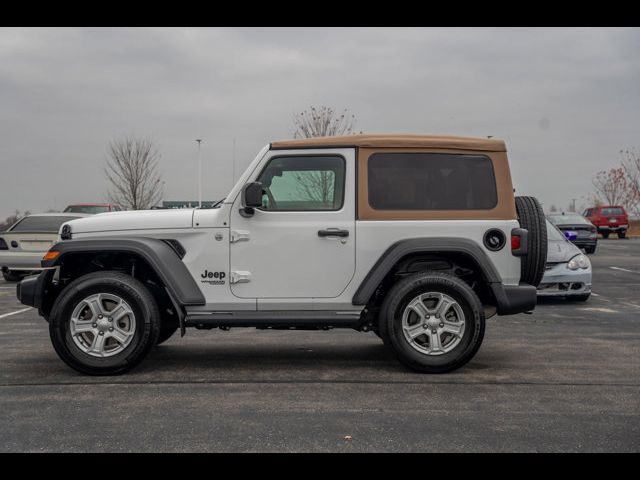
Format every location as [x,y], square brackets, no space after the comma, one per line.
[333,232]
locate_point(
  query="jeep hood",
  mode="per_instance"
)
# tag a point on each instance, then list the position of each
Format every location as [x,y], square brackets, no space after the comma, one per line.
[134,220]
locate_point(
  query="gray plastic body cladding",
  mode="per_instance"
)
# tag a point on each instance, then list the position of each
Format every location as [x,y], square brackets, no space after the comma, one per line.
[161,258]
[509,300]
[422,245]
[286,318]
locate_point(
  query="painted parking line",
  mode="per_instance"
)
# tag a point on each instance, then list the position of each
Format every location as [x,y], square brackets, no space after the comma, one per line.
[16,312]
[598,309]
[623,269]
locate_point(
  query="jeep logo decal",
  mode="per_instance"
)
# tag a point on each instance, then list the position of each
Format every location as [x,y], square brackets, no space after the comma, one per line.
[213,278]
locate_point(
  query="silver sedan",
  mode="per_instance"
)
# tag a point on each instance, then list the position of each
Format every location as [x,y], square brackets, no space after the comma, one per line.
[26,241]
[568,270]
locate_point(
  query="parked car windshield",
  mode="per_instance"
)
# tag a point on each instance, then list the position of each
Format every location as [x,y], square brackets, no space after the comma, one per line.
[568,219]
[86,209]
[612,211]
[41,224]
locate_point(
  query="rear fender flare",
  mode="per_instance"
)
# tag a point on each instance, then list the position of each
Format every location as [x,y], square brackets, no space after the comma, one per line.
[399,250]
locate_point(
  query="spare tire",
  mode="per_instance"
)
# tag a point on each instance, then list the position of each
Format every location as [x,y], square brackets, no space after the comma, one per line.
[532,218]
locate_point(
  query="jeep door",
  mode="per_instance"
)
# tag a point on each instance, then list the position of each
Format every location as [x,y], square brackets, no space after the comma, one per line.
[301,242]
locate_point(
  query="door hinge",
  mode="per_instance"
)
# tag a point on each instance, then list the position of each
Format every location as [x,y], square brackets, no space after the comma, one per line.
[239,236]
[240,277]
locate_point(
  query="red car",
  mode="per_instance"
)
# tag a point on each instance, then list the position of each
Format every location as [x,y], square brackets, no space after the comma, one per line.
[609,219]
[92,208]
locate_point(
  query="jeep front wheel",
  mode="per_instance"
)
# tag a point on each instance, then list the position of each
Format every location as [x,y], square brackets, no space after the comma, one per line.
[432,322]
[104,323]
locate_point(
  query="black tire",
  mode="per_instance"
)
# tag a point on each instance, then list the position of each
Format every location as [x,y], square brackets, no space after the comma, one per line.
[11,276]
[531,217]
[605,234]
[580,298]
[166,332]
[622,234]
[390,322]
[590,250]
[134,293]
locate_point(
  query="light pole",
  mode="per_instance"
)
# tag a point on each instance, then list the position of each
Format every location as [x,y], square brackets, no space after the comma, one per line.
[199,140]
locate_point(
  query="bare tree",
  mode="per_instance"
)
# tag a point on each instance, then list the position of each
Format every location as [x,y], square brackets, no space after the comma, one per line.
[553,208]
[611,186]
[11,219]
[323,122]
[631,167]
[132,170]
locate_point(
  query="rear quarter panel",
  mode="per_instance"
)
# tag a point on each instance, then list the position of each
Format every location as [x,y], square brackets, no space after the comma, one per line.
[375,237]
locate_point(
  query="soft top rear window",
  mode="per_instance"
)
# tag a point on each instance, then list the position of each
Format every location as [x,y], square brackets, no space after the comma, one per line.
[431,181]
[41,224]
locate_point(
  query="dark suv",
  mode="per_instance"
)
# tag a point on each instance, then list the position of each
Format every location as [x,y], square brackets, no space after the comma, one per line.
[580,231]
[609,219]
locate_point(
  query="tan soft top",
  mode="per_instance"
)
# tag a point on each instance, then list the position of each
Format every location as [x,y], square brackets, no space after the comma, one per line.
[392,140]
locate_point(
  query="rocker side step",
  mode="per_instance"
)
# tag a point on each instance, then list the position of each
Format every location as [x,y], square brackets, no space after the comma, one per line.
[284,318]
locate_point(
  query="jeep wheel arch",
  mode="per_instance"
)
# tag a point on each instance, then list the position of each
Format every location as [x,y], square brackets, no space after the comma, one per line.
[399,251]
[160,256]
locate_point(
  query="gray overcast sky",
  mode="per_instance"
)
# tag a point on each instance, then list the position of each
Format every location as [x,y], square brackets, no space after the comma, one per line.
[565,100]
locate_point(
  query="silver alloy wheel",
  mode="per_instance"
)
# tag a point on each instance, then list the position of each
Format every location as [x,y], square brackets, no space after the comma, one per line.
[102,325]
[433,323]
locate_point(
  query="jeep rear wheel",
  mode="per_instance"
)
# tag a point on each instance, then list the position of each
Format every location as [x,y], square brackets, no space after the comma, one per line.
[531,217]
[104,323]
[432,322]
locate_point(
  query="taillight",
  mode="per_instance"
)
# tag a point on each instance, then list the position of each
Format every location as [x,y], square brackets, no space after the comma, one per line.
[515,242]
[3,244]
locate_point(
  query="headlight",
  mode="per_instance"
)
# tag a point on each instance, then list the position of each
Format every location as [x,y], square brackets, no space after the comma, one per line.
[65,232]
[579,261]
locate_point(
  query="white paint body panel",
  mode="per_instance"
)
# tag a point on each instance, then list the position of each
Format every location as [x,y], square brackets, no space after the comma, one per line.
[291,268]
[134,220]
[285,255]
[374,237]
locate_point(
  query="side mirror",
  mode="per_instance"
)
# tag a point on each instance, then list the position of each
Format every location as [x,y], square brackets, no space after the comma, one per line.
[251,198]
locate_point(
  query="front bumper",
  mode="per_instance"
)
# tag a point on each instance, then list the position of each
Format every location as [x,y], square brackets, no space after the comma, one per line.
[20,260]
[30,291]
[559,281]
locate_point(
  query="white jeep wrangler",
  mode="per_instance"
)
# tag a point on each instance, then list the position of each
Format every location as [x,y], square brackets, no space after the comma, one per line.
[417,238]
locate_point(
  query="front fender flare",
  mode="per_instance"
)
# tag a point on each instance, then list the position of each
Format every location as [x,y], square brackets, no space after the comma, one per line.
[161,257]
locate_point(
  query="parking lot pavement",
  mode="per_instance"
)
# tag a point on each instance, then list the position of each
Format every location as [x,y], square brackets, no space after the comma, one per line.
[566,378]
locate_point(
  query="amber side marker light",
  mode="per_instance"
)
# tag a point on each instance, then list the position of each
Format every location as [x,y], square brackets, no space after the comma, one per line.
[51,255]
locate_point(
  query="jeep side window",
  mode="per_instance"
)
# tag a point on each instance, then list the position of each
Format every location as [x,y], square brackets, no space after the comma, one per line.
[300,183]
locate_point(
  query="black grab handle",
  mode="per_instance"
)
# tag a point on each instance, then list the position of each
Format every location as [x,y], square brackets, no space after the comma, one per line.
[333,233]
